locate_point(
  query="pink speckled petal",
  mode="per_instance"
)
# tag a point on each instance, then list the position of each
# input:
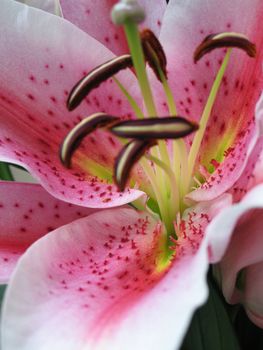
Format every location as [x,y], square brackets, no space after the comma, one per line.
[27,213]
[230,169]
[241,252]
[259,113]
[52,6]
[104,285]
[252,174]
[94,17]
[185,25]
[193,224]
[33,115]
[238,165]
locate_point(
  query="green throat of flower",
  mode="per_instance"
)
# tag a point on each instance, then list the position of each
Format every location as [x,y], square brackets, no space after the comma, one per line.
[169,170]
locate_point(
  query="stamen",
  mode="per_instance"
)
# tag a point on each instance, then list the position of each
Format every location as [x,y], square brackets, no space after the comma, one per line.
[193,153]
[227,39]
[127,158]
[211,42]
[95,78]
[155,128]
[154,53]
[85,127]
[156,58]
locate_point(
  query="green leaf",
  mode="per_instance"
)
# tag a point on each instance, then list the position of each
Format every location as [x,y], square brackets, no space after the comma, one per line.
[211,328]
[5,173]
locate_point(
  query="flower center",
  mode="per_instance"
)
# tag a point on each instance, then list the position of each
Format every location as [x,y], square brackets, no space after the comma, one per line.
[158,144]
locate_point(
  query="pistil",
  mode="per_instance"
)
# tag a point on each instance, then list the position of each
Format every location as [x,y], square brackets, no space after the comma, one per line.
[126,13]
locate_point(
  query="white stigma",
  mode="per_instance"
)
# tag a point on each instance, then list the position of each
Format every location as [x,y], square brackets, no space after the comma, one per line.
[127,10]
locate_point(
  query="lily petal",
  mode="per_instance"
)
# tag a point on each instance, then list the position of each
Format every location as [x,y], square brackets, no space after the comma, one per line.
[239,160]
[185,25]
[252,174]
[230,169]
[34,118]
[94,19]
[52,6]
[105,286]
[27,213]
[241,253]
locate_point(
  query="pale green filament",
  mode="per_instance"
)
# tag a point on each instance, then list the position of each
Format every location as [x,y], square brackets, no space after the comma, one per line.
[136,50]
[205,117]
[179,147]
[180,155]
[162,203]
[168,91]
[173,197]
[145,187]
[139,204]
[138,112]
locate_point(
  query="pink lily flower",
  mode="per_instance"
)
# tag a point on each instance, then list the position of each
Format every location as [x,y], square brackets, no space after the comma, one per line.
[111,278]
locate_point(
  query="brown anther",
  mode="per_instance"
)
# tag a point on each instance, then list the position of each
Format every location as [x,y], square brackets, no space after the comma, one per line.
[95,77]
[153,52]
[227,39]
[154,128]
[127,158]
[82,129]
